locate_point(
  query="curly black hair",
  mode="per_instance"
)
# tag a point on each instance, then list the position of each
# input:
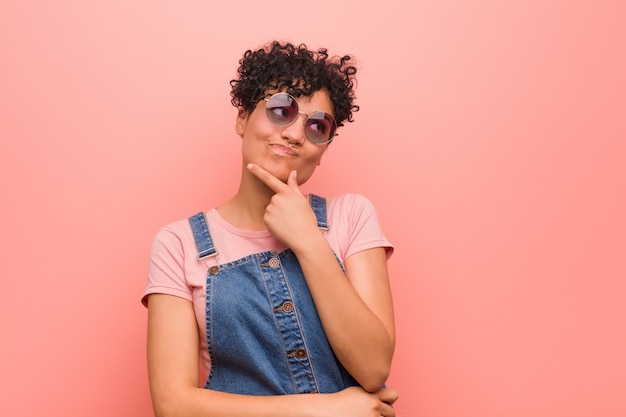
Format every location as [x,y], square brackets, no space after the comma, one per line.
[300,72]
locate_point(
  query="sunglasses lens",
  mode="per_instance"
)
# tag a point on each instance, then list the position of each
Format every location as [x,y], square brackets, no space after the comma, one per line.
[320,127]
[282,109]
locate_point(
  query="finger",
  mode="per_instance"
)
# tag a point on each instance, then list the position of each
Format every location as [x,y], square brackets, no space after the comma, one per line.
[267,178]
[387,410]
[292,180]
[388,395]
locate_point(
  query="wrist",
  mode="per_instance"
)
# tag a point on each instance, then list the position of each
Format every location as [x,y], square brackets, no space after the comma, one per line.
[311,242]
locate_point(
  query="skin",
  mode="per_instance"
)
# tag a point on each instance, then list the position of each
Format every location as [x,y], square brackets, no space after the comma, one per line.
[357,313]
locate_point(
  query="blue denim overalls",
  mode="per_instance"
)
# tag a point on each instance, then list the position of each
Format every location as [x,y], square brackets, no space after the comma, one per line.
[263,331]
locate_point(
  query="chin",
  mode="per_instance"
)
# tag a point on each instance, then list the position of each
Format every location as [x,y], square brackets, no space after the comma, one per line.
[279,172]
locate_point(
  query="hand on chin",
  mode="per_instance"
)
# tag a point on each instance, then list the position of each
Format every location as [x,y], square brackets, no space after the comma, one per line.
[280,171]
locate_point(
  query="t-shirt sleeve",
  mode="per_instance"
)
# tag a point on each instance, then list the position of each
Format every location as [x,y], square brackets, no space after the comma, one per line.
[166,271]
[363,227]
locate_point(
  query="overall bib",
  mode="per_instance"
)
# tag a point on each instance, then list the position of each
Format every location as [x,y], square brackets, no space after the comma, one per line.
[263,332]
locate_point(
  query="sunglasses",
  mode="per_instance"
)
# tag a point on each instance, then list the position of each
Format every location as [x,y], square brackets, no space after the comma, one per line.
[282,109]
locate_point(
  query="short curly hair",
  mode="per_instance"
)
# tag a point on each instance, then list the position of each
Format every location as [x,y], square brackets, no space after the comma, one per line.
[300,72]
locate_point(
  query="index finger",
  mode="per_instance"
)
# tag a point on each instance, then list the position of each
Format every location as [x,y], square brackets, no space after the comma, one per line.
[268,179]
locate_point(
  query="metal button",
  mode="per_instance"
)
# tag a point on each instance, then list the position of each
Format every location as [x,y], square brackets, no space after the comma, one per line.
[287,307]
[299,353]
[273,263]
[214,270]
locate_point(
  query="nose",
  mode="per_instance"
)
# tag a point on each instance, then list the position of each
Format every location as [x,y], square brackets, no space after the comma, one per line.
[294,133]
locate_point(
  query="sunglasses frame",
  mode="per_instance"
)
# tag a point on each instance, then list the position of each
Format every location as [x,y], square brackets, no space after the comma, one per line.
[308,116]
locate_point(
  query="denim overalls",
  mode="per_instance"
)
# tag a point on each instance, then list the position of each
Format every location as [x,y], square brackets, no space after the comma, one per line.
[263,331]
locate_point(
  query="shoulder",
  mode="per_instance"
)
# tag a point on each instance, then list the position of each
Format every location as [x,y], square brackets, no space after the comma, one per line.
[172,262]
[349,200]
[354,225]
[351,211]
[175,238]
[176,230]
[350,204]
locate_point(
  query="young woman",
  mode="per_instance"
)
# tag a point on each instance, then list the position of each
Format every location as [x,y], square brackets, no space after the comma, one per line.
[275,302]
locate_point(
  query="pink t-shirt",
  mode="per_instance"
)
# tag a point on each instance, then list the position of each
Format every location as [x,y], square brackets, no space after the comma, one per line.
[174,268]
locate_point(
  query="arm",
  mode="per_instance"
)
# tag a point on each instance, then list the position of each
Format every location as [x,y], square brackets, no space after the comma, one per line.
[357,314]
[173,372]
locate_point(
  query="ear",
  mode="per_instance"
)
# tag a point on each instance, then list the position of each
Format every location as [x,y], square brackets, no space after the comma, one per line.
[241,121]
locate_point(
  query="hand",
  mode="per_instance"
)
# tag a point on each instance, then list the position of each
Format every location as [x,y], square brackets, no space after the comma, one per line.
[356,402]
[288,215]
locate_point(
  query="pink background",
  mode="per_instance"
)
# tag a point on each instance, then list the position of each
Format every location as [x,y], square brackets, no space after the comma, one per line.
[491,139]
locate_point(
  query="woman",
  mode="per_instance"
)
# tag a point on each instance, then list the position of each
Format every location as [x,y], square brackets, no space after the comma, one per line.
[275,295]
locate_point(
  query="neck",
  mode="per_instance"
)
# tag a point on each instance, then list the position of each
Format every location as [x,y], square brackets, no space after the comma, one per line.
[246,208]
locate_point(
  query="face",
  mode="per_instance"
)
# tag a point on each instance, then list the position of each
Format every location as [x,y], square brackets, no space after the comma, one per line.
[278,148]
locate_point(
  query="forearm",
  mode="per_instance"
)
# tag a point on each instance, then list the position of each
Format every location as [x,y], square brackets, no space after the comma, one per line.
[199,402]
[361,340]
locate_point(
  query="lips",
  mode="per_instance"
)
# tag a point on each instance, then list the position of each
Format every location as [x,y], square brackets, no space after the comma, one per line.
[282,150]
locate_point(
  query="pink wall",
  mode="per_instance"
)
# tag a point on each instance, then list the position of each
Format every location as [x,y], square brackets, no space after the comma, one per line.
[491,139]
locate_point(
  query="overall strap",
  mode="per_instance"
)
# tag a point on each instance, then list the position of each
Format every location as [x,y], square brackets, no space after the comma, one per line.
[318,204]
[201,234]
